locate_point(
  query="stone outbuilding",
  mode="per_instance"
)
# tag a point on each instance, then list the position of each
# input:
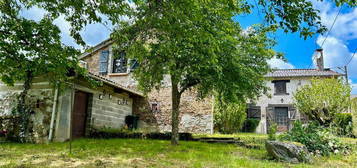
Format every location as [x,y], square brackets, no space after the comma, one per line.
[59,114]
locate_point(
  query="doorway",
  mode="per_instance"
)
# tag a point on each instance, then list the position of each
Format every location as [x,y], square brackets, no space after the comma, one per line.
[282,118]
[79,115]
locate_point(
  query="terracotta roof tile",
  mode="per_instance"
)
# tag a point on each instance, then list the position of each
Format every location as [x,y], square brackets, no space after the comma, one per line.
[281,73]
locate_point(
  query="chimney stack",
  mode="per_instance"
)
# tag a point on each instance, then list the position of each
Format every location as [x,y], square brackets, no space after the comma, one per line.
[319,58]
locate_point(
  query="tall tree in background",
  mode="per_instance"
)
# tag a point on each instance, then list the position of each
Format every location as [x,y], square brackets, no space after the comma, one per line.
[195,42]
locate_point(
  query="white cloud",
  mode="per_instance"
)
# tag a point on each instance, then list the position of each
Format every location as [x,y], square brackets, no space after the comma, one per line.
[279,64]
[336,51]
[346,24]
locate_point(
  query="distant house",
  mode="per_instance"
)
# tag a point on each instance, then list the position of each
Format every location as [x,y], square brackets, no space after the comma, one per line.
[278,107]
[70,112]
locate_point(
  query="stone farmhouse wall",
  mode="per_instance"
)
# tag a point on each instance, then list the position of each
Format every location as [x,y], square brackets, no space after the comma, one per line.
[264,101]
[196,115]
[40,97]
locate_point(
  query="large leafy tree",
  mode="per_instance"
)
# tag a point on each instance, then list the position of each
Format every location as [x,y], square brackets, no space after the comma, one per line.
[195,42]
[323,99]
[199,46]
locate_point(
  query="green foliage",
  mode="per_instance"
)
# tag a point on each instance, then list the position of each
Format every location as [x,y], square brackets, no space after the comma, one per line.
[250,125]
[343,124]
[323,99]
[317,139]
[272,132]
[354,116]
[229,117]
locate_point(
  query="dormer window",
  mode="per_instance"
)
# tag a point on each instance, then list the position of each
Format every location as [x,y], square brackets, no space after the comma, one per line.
[280,87]
[120,63]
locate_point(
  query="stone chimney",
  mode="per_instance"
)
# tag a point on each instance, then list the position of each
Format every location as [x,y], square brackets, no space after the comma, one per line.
[319,58]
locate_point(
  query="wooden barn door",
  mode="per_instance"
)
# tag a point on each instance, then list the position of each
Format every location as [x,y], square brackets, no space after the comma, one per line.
[79,114]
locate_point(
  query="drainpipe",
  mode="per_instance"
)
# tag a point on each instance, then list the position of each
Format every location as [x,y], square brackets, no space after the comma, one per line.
[50,136]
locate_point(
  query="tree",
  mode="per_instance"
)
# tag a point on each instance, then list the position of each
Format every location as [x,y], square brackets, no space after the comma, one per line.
[323,99]
[31,49]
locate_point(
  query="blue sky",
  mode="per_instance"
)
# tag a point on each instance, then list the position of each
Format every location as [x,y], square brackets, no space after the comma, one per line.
[338,47]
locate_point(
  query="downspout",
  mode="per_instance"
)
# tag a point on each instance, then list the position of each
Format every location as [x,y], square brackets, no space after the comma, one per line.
[50,136]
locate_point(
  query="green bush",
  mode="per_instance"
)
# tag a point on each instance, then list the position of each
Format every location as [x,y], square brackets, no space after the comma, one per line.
[343,124]
[229,117]
[272,132]
[317,139]
[250,125]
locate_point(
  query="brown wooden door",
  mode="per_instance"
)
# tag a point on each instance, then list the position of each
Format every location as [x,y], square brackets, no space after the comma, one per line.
[79,114]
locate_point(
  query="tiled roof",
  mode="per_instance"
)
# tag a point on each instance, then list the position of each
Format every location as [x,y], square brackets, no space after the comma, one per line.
[114,84]
[281,73]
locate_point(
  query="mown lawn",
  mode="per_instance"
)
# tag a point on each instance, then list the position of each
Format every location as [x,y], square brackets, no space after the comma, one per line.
[149,153]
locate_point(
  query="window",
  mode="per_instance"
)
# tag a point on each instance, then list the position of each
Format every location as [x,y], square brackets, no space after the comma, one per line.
[155,107]
[253,111]
[103,62]
[280,87]
[120,63]
[281,116]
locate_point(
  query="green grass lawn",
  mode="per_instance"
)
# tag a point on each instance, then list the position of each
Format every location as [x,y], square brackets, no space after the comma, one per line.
[150,153]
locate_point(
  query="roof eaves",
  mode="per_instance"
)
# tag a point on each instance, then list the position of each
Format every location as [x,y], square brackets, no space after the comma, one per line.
[96,48]
[114,84]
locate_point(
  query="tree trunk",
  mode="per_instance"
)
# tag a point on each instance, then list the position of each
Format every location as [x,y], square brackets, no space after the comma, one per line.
[21,106]
[176,96]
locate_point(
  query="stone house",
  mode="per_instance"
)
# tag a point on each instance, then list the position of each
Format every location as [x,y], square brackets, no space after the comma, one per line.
[154,111]
[278,105]
[59,114]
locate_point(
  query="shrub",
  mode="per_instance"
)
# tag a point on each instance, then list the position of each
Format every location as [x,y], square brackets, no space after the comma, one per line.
[250,125]
[317,139]
[272,132]
[229,117]
[343,124]
[323,99]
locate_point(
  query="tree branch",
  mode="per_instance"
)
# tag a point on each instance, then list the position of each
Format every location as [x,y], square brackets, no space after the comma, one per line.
[188,85]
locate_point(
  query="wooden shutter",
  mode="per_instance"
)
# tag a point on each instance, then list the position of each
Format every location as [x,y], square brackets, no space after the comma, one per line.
[254,112]
[103,62]
[133,64]
[292,117]
[270,116]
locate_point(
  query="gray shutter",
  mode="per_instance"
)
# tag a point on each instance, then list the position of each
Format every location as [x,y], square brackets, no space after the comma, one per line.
[293,117]
[103,62]
[270,116]
[133,64]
